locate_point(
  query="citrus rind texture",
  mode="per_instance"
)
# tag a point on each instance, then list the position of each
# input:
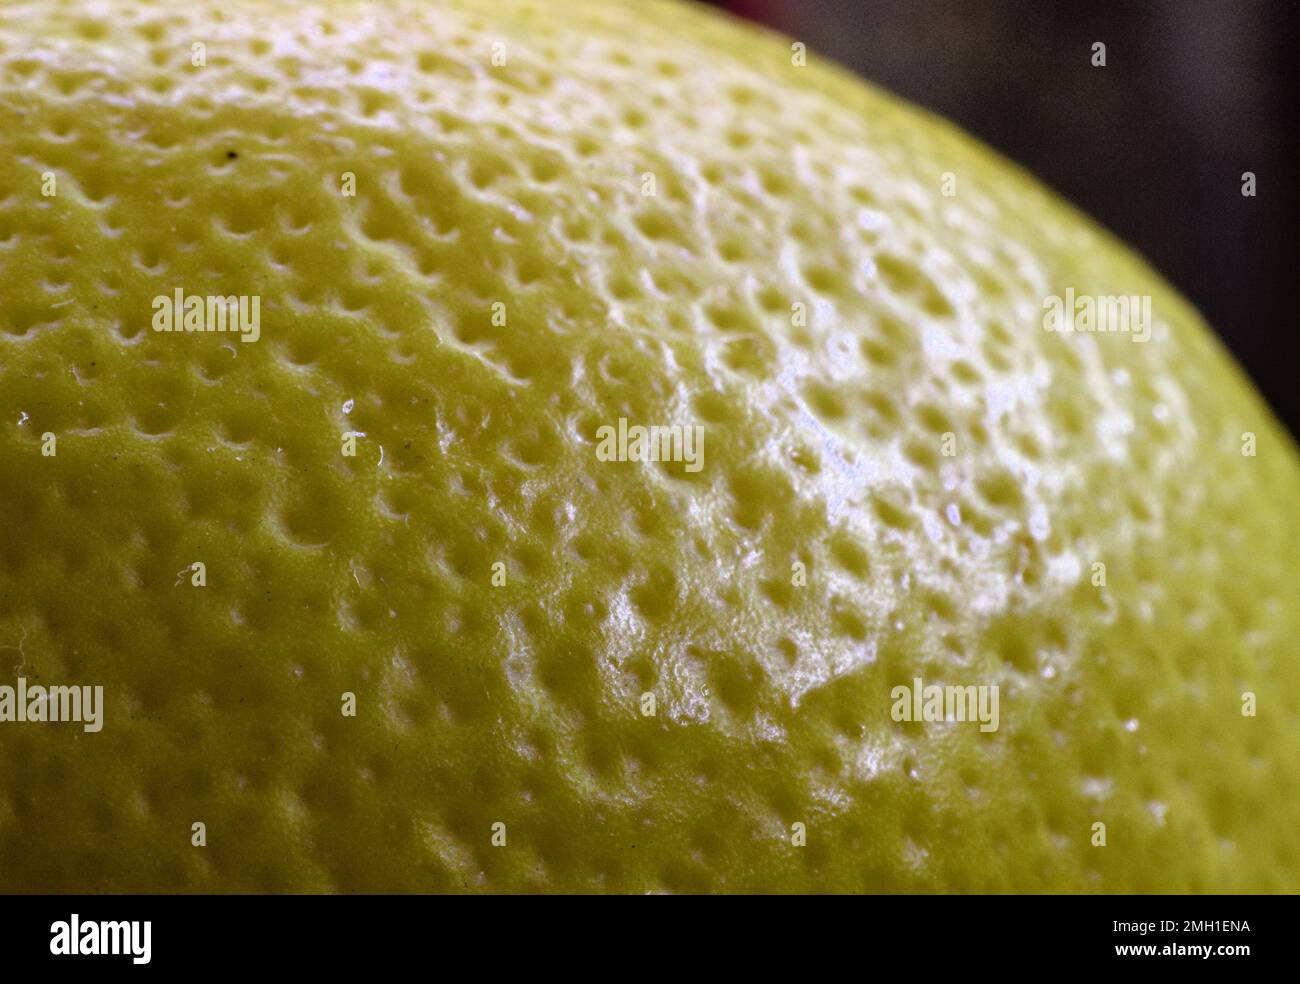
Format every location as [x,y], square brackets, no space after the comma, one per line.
[562,216]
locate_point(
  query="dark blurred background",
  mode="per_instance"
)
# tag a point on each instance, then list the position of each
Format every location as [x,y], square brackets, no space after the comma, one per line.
[1194,93]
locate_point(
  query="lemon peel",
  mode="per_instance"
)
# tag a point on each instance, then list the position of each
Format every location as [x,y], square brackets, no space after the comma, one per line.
[562,216]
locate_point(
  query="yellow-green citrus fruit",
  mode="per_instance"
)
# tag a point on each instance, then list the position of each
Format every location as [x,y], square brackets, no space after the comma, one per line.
[372,607]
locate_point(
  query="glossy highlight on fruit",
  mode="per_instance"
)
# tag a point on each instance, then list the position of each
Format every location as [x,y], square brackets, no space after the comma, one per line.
[479,231]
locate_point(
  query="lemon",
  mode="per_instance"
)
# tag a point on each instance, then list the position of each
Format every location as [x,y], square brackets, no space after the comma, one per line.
[391,584]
